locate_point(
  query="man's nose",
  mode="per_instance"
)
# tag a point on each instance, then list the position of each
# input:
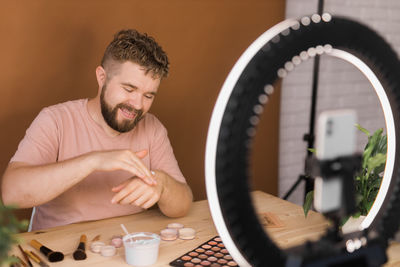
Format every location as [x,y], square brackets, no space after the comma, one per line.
[136,101]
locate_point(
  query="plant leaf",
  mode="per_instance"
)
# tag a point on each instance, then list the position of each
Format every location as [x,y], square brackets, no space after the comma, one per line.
[380,169]
[375,162]
[375,140]
[308,201]
[382,145]
[359,198]
[312,150]
[9,226]
[360,128]
[376,184]
[344,220]
[369,205]
[367,153]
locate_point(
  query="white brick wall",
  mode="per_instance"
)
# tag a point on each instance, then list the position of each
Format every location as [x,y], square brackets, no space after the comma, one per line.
[340,84]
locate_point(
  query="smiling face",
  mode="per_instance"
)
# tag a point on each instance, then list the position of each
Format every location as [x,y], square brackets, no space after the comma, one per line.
[126,94]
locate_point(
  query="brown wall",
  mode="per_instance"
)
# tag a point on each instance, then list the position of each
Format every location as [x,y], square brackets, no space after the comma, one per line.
[50,49]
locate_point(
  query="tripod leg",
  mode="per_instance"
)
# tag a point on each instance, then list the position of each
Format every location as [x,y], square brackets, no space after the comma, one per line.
[287,195]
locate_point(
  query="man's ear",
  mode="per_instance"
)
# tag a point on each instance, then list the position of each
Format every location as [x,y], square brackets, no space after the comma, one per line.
[101,76]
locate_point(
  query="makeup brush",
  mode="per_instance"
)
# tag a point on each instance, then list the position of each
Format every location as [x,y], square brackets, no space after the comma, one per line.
[52,256]
[36,258]
[80,253]
[25,256]
[21,261]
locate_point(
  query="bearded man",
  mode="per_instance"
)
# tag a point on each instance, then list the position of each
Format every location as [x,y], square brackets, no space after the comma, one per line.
[90,159]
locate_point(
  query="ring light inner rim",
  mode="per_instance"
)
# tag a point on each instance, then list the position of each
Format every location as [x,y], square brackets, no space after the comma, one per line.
[390,130]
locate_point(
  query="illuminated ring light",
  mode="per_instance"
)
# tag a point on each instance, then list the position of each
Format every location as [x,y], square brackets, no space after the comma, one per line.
[240,103]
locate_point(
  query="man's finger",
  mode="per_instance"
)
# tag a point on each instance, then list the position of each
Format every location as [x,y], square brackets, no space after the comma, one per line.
[126,190]
[120,186]
[150,202]
[143,199]
[132,163]
[141,154]
[128,199]
[132,168]
[148,176]
[130,192]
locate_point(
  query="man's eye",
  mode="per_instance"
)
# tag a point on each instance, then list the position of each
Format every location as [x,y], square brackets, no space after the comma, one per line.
[127,89]
[149,96]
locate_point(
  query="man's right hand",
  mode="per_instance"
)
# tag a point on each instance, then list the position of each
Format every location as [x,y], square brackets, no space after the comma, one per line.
[123,160]
[28,185]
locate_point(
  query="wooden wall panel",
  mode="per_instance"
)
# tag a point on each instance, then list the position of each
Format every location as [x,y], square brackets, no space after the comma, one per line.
[50,49]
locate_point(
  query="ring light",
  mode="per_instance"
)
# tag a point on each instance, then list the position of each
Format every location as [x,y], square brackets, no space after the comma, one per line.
[240,103]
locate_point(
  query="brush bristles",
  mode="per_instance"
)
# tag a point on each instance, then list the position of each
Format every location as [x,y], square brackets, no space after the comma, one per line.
[55,256]
[79,255]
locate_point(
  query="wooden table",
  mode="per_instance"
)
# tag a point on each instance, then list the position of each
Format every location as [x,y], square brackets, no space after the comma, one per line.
[296,230]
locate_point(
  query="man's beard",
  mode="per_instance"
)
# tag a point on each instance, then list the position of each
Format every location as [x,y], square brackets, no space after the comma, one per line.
[110,114]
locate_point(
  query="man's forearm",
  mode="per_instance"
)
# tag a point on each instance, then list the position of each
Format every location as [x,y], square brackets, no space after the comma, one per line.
[176,197]
[28,186]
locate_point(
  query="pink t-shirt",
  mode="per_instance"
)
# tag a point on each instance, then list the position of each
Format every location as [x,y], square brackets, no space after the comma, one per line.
[66,130]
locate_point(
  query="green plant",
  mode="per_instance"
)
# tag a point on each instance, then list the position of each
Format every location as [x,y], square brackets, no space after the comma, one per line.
[369,178]
[9,226]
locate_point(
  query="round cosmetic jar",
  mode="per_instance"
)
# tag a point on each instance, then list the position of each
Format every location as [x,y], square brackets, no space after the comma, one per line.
[141,248]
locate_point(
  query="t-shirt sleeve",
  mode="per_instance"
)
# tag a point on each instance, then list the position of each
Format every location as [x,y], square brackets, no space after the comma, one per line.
[40,143]
[161,153]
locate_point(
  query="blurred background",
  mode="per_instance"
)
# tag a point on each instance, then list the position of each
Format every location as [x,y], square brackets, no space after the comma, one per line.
[50,49]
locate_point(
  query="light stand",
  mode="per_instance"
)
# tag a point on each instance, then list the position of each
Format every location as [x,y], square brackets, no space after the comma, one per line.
[310,136]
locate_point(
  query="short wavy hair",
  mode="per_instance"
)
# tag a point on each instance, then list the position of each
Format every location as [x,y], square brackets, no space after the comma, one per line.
[131,45]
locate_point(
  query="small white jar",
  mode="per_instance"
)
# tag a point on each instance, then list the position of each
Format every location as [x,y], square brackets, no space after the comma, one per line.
[141,248]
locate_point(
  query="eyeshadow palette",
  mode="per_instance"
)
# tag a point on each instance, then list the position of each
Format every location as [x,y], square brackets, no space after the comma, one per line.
[211,253]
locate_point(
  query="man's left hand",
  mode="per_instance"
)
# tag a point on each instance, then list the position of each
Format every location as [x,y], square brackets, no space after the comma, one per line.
[135,191]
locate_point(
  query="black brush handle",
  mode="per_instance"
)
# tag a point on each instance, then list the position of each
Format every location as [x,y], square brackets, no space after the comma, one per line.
[36,244]
[82,242]
[45,250]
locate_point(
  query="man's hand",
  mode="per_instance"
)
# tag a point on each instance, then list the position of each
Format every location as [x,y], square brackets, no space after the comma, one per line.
[123,160]
[135,192]
[173,198]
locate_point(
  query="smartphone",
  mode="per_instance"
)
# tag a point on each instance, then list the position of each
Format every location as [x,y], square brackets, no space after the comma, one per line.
[335,137]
